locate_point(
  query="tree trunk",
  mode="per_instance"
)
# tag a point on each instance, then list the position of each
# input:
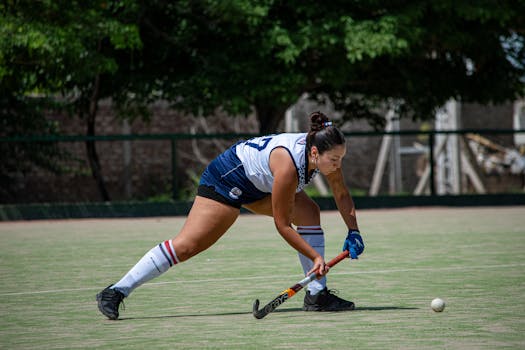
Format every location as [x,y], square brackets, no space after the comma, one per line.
[91,149]
[270,117]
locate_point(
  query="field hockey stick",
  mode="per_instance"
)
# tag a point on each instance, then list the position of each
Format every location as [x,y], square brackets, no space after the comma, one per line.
[290,292]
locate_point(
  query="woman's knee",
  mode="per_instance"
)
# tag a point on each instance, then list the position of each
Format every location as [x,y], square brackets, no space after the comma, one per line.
[207,221]
[185,249]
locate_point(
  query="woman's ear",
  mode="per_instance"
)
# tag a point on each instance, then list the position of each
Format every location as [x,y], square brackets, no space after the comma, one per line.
[314,152]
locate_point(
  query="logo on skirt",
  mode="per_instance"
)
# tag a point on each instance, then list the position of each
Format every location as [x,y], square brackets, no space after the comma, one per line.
[235,193]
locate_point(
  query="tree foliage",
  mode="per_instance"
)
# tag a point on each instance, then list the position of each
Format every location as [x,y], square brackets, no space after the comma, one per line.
[256,55]
[63,51]
[359,54]
[242,55]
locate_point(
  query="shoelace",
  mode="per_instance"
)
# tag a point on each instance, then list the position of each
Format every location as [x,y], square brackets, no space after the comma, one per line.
[332,295]
[115,298]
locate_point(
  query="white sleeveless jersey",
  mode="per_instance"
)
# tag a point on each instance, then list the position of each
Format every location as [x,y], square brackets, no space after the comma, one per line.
[255,157]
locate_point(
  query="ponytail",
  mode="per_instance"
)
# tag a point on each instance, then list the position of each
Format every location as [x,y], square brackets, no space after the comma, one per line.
[323,134]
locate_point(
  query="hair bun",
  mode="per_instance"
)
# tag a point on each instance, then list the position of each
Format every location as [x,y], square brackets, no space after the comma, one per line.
[323,134]
[319,121]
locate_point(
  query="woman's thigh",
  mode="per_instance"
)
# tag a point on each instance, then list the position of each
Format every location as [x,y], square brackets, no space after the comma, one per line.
[207,221]
[306,212]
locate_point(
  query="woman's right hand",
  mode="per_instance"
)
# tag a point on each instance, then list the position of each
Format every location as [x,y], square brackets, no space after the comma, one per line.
[320,267]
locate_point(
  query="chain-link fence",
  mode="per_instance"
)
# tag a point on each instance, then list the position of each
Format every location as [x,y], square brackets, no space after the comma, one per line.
[161,167]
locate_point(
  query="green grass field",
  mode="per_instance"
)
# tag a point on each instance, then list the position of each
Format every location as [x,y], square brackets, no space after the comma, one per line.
[473,258]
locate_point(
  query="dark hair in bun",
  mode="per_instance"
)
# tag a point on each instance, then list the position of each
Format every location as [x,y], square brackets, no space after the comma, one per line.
[323,134]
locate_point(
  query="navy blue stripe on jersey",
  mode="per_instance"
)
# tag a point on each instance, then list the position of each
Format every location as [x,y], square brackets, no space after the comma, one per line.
[306,178]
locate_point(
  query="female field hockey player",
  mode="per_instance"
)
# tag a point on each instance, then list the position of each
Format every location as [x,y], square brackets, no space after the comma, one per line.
[266,175]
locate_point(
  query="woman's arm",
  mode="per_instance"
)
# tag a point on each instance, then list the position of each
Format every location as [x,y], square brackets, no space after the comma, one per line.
[353,242]
[343,199]
[283,197]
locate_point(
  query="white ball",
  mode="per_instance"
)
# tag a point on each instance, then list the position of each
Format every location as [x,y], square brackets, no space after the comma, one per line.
[437,305]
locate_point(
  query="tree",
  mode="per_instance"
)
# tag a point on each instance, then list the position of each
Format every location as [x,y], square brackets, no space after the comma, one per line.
[65,52]
[24,116]
[259,55]
[243,55]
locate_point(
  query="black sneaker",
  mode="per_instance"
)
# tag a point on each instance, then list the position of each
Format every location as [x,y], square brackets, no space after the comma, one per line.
[326,300]
[109,301]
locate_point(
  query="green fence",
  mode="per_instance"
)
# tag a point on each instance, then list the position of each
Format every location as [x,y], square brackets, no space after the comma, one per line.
[174,139]
[39,211]
[15,211]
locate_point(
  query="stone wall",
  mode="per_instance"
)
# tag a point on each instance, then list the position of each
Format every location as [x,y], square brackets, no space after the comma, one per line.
[138,169]
[142,169]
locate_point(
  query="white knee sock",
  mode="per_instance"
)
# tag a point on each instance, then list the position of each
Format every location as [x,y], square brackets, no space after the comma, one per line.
[315,237]
[153,264]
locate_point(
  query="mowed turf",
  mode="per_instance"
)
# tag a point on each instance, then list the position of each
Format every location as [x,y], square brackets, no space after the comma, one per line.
[473,258]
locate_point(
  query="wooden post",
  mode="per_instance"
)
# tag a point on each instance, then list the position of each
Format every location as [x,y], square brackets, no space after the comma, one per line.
[174,187]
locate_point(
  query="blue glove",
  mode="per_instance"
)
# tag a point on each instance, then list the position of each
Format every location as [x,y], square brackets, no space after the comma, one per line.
[354,244]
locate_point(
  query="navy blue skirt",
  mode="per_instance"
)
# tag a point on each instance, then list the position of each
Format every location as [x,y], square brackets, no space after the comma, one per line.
[225,176]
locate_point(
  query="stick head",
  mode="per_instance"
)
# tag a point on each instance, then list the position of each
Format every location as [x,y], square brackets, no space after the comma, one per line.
[255,310]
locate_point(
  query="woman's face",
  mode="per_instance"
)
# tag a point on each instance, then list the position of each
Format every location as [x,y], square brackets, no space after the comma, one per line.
[330,161]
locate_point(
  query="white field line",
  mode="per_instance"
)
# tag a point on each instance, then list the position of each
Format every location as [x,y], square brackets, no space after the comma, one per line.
[288,277]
